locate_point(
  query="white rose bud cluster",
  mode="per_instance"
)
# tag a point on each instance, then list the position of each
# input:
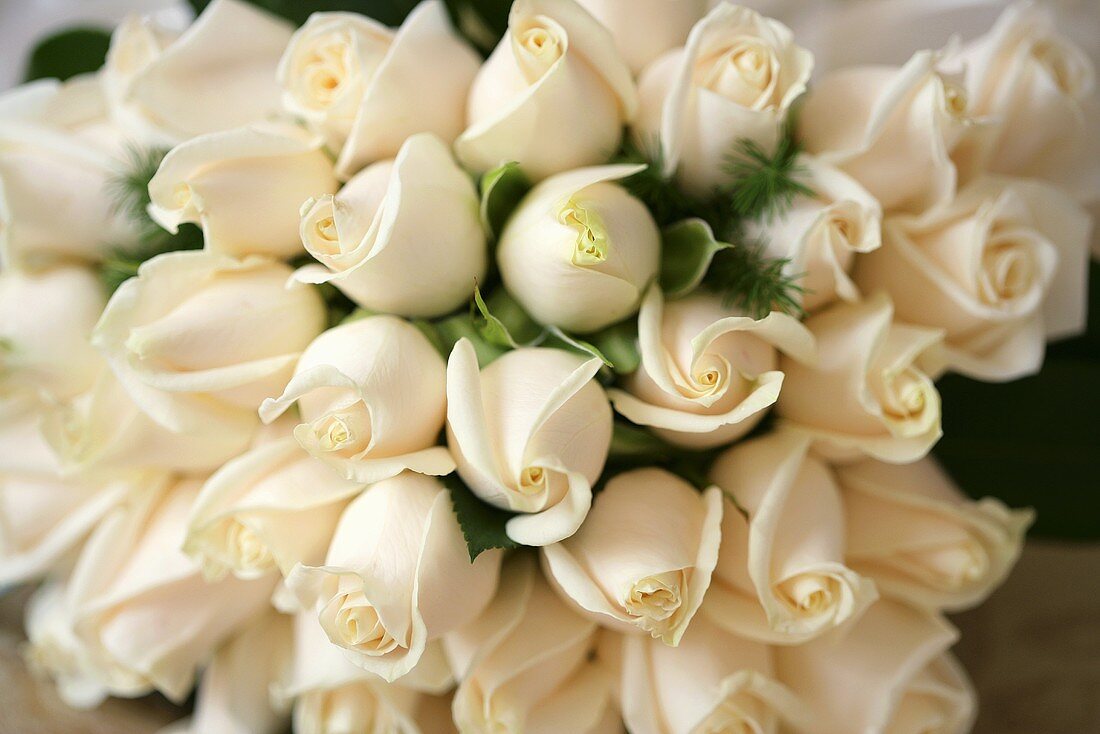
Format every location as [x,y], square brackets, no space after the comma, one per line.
[359,383]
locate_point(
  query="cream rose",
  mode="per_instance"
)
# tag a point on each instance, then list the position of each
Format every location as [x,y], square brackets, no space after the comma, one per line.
[822,236]
[708,373]
[921,540]
[372,397]
[218,74]
[865,394]
[713,681]
[53,650]
[397,576]
[735,79]
[366,87]
[643,558]
[781,576]
[554,95]
[891,129]
[579,250]
[1001,269]
[525,664]
[243,186]
[402,236]
[644,30]
[529,433]
[890,673]
[57,157]
[272,507]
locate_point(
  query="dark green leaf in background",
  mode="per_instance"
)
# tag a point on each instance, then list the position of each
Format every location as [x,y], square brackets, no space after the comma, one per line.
[687,249]
[483,526]
[68,53]
[389,12]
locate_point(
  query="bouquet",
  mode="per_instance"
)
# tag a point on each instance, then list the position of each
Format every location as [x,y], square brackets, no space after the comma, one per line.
[567,367]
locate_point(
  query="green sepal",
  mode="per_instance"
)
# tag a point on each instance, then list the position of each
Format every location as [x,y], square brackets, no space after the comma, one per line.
[501,191]
[687,249]
[67,54]
[445,333]
[503,322]
[483,526]
[556,338]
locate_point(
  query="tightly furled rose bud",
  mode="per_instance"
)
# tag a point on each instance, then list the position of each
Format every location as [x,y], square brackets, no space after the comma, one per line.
[218,74]
[579,250]
[921,540]
[366,87]
[272,507]
[372,397]
[554,95]
[781,576]
[526,663]
[891,129]
[529,433]
[708,373]
[402,236]
[1001,269]
[644,29]
[865,394]
[822,236]
[397,576]
[714,681]
[643,558]
[735,79]
[889,673]
[243,186]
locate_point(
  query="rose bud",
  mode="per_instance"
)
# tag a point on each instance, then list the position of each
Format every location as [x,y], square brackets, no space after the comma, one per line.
[218,74]
[645,29]
[735,79]
[526,663]
[822,235]
[714,681]
[243,186]
[57,157]
[402,236]
[366,87]
[865,394]
[708,373]
[554,94]
[781,576]
[372,398]
[643,558]
[397,576]
[1001,269]
[891,129]
[921,540]
[272,507]
[579,250]
[889,673]
[530,434]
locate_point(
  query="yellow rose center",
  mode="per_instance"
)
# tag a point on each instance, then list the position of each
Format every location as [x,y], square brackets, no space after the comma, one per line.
[592,244]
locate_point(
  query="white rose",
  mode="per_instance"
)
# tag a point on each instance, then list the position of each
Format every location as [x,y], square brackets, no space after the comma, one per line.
[736,79]
[402,236]
[1001,269]
[822,235]
[243,186]
[644,29]
[714,681]
[525,664]
[53,650]
[921,540]
[579,250]
[272,507]
[889,673]
[643,558]
[218,74]
[56,164]
[554,94]
[891,129]
[781,576]
[865,393]
[397,576]
[708,373]
[530,434]
[366,87]
[372,397]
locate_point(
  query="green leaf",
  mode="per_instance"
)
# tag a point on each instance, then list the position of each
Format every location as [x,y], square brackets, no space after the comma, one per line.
[763,185]
[629,441]
[503,322]
[561,340]
[483,526]
[501,191]
[619,344]
[68,53]
[389,12]
[445,333]
[687,249]
[750,280]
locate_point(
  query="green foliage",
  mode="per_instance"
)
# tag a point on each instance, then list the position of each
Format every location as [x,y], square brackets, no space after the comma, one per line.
[501,191]
[483,526]
[483,22]
[68,53]
[390,12]
[763,185]
[748,279]
[687,249]
[664,199]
